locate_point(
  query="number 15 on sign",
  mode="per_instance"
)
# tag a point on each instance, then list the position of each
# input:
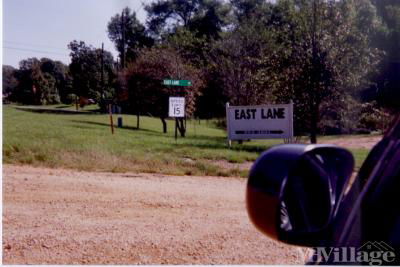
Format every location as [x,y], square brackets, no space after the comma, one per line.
[176,107]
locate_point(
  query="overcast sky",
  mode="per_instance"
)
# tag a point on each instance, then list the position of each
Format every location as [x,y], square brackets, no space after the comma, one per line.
[43,28]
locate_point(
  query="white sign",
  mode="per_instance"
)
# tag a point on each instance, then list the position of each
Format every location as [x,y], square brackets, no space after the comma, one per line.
[176,107]
[259,122]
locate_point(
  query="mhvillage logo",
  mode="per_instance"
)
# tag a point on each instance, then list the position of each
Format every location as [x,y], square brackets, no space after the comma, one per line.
[372,253]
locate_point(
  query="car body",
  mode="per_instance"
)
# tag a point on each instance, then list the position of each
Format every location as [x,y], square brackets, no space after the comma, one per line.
[306,195]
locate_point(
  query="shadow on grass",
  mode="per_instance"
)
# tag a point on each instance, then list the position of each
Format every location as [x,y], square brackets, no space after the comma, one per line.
[217,143]
[198,141]
[220,142]
[64,106]
[57,111]
[124,127]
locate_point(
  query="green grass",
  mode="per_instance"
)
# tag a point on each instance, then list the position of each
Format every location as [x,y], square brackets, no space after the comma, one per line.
[84,142]
[59,108]
[359,154]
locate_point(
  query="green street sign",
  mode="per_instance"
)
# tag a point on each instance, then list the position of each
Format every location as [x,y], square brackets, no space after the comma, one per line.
[177,82]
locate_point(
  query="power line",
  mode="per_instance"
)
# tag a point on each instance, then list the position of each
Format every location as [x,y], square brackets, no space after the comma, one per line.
[37,45]
[34,50]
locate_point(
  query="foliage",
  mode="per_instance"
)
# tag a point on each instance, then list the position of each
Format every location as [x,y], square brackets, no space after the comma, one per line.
[374,118]
[204,17]
[144,78]
[70,99]
[238,60]
[128,35]
[10,83]
[40,82]
[387,80]
[328,54]
[245,10]
[330,57]
[86,71]
[60,73]
[195,49]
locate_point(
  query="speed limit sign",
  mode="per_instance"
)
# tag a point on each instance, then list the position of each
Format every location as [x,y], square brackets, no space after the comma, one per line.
[176,107]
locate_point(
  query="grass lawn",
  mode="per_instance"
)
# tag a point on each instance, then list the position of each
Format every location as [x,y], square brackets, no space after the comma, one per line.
[84,141]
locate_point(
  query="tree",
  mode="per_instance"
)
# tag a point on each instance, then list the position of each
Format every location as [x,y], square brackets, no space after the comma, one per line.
[328,55]
[203,17]
[35,86]
[144,82]
[128,35]
[46,88]
[245,10]
[60,73]
[387,87]
[10,83]
[194,50]
[86,72]
[24,92]
[237,59]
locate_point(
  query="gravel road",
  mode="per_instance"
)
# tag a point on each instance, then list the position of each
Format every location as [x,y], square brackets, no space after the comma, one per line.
[57,216]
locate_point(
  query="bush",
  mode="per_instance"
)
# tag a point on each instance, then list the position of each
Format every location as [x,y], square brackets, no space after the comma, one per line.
[221,123]
[373,118]
[71,98]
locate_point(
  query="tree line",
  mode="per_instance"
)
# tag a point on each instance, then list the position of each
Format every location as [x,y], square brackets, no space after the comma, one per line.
[337,60]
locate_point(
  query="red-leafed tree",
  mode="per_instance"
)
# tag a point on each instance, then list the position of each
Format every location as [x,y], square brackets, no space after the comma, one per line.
[143,80]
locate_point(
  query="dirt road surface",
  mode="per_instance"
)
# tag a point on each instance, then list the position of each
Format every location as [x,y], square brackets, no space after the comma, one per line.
[56,216]
[367,142]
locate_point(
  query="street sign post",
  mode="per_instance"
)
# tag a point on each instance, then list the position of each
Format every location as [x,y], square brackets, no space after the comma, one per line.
[177,104]
[176,110]
[177,82]
[259,122]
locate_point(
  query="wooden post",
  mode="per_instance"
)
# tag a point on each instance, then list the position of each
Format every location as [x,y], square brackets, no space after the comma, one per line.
[102,73]
[176,129]
[111,118]
[227,125]
[194,125]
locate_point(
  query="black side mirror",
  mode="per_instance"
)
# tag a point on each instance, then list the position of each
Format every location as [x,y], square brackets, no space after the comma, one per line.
[294,191]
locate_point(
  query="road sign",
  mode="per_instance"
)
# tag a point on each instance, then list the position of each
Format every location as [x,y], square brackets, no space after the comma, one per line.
[176,107]
[177,82]
[259,122]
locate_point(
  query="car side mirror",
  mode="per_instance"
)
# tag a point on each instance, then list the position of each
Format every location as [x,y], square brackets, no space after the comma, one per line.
[294,191]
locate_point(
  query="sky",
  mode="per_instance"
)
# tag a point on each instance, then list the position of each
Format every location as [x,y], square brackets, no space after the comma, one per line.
[43,28]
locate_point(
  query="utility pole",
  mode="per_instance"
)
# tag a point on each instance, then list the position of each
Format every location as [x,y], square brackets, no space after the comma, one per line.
[102,72]
[123,40]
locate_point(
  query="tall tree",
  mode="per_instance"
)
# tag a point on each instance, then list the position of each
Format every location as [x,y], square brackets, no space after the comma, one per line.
[245,10]
[237,59]
[387,88]
[60,72]
[24,93]
[329,52]
[144,81]
[203,17]
[86,71]
[10,83]
[128,35]
[34,85]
